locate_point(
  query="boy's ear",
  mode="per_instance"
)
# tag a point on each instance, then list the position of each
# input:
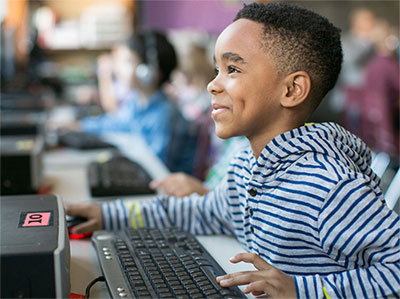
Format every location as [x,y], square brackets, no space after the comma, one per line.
[297,88]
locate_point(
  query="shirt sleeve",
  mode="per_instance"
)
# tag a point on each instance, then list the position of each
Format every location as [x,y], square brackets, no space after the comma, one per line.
[200,215]
[104,123]
[117,121]
[361,233]
[157,134]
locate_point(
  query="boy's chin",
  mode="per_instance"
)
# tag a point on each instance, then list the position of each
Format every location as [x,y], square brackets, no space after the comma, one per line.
[224,134]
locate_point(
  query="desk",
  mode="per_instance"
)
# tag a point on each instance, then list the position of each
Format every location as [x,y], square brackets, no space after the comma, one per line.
[65,172]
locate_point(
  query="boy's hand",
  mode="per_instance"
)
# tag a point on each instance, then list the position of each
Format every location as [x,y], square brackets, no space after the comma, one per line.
[90,211]
[267,280]
[180,184]
[105,65]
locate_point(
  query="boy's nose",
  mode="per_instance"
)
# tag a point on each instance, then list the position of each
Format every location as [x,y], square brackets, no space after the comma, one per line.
[214,87]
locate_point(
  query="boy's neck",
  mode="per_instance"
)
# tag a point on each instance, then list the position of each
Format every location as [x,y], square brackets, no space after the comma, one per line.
[259,142]
[145,94]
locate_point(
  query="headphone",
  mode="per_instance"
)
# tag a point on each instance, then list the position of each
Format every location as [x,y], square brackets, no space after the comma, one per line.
[147,73]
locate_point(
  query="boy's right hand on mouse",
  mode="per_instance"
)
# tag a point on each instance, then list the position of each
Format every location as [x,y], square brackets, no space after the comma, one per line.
[92,212]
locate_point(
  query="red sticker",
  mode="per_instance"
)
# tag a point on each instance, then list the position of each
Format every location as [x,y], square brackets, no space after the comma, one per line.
[37,219]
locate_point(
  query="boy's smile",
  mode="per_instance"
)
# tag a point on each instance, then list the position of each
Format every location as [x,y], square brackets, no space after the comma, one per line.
[218,109]
[246,89]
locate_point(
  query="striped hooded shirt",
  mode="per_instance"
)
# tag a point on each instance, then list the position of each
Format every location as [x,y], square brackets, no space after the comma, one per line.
[309,205]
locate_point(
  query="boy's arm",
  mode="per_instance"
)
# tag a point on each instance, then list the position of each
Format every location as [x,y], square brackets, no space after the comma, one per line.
[208,214]
[359,231]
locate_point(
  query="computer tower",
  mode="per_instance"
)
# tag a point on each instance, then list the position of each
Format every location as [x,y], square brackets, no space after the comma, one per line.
[22,123]
[35,254]
[21,164]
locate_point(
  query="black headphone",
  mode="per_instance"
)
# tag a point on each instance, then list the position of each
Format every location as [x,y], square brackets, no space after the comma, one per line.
[147,73]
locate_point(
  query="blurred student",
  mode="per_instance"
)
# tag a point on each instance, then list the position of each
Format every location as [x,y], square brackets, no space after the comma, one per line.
[301,199]
[114,78]
[189,84]
[144,64]
[181,184]
[189,89]
[381,92]
[357,51]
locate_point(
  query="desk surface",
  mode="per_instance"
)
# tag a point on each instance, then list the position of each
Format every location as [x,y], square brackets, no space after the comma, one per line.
[65,173]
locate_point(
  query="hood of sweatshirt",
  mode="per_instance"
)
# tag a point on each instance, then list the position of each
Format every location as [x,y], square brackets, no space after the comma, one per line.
[326,139]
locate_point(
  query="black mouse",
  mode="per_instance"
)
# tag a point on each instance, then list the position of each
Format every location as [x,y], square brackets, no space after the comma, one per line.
[73,221]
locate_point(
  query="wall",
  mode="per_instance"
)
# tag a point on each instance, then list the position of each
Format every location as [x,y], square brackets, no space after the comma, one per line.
[209,15]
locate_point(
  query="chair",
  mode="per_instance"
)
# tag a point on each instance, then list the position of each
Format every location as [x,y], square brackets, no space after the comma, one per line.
[384,167]
[380,163]
[183,143]
[392,194]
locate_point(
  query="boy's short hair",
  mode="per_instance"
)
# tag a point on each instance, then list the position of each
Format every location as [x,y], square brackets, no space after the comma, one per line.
[166,55]
[299,40]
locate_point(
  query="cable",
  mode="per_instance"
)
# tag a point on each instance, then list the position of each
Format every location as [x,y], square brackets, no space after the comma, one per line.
[87,292]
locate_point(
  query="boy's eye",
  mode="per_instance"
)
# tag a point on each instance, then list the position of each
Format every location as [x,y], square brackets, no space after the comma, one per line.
[216,71]
[232,69]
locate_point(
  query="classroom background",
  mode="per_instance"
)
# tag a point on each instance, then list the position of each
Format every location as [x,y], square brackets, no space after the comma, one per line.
[51,50]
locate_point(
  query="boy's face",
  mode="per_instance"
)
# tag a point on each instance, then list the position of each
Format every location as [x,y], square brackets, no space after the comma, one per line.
[246,90]
[124,64]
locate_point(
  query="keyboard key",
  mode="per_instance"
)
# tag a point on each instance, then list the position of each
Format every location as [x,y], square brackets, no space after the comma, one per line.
[210,292]
[141,289]
[179,292]
[174,284]
[144,294]
[163,290]
[139,283]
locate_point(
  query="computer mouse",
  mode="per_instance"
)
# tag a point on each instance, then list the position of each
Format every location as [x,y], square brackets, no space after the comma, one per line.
[73,221]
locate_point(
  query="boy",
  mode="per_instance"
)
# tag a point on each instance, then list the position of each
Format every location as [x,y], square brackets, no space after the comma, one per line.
[148,59]
[302,199]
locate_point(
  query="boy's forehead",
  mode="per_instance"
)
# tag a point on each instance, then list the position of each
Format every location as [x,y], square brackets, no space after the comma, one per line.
[241,33]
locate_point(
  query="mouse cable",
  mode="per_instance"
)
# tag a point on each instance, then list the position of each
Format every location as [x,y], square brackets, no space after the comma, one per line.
[87,292]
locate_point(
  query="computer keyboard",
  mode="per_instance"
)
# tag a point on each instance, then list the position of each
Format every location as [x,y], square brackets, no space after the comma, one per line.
[82,140]
[158,263]
[118,176]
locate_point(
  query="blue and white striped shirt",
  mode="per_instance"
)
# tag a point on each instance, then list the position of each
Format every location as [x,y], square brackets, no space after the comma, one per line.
[310,205]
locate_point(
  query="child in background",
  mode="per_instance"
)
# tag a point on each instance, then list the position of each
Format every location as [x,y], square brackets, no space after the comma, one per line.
[380,101]
[189,85]
[357,51]
[145,63]
[302,200]
[188,89]
[114,78]
[181,184]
